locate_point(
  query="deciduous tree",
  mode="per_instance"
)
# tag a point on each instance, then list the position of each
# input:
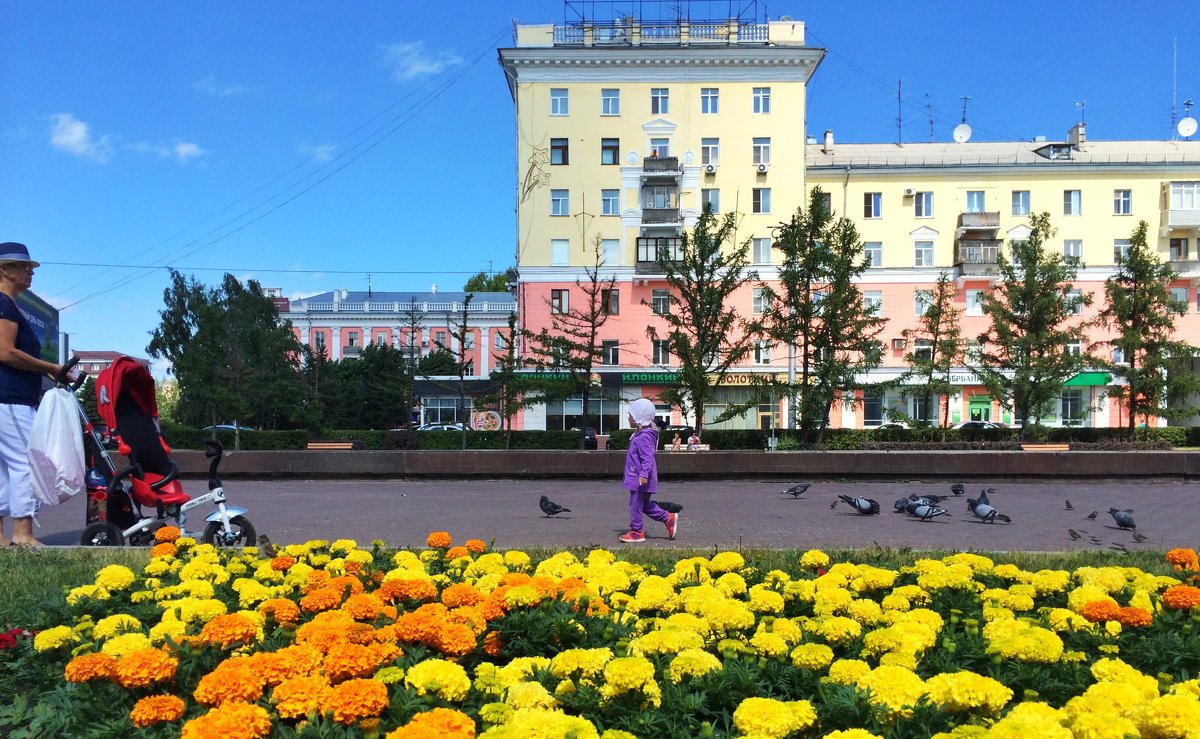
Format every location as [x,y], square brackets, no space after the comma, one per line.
[936,346]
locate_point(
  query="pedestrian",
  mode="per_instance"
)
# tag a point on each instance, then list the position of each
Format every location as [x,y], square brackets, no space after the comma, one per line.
[21,373]
[641,474]
[675,445]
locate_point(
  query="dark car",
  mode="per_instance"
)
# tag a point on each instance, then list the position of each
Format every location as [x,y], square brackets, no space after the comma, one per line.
[977,425]
[589,438]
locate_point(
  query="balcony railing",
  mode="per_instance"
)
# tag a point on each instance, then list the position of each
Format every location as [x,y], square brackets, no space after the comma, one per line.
[976,256]
[987,219]
[1181,218]
[660,165]
[651,249]
[660,216]
[1186,267]
[304,306]
[621,33]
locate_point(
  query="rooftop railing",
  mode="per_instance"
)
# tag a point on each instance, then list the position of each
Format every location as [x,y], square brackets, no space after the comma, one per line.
[302,306]
[634,33]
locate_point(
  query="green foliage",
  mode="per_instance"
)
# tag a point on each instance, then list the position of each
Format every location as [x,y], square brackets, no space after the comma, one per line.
[938,329]
[497,282]
[371,391]
[437,363]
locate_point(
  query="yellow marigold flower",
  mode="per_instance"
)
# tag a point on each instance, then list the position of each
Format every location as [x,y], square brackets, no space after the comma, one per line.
[54,638]
[960,692]
[1012,639]
[115,577]
[355,700]
[1109,579]
[122,644]
[731,584]
[851,734]
[156,709]
[814,559]
[232,720]
[847,671]
[1100,724]
[1046,582]
[389,675]
[1030,719]
[580,663]
[893,689]
[656,594]
[529,695]
[866,612]
[157,567]
[628,673]
[439,723]
[1169,716]
[444,679]
[895,602]
[692,663]
[725,616]
[522,596]
[438,540]
[298,696]
[1064,619]
[813,657]
[541,722]
[86,592]
[88,667]
[836,629]
[773,718]
[665,641]
[617,734]
[229,629]
[145,667]
[516,560]
[764,600]
[726,562]
[167,533]
[769,644]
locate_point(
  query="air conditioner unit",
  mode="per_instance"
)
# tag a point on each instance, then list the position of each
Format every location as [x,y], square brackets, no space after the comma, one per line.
[910,192]
[762,168]
[710,168]
[424,342]
[899,343]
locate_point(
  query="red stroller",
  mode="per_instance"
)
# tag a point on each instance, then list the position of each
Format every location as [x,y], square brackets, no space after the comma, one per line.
[126,402]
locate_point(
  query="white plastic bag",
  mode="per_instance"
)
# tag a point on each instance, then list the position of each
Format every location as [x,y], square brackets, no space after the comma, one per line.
[56,449]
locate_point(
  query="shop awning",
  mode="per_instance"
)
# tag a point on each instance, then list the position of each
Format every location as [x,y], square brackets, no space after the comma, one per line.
[1089,379]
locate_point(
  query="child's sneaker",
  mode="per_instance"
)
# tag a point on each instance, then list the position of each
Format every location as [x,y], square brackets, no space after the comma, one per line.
[632,537]
[672,524]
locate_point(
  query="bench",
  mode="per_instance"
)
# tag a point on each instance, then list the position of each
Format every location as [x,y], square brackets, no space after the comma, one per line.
[330,446]
[699,448]
[1046,447]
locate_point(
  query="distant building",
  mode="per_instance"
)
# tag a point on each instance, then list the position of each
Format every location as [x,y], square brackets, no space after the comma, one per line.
[95,362]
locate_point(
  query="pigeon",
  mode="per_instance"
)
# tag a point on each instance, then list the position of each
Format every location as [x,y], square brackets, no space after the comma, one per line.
[901,504]
[958,489]
[1118,546]
[669,507]
[1139,538]
[796,490]
[928,499]
[266,546]
[550,508]
[983,496]
[865,506]
[1074,534]
[1124,518]
[1068,506]
[985,512]
[927,512]
[1093,515]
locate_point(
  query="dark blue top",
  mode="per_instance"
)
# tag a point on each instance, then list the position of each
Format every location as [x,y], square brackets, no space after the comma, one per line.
[19,387]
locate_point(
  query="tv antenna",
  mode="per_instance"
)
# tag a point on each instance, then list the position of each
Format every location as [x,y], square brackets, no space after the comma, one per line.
[1187,125]
[1082,105]
[962,132]
[899,112]
[929,110]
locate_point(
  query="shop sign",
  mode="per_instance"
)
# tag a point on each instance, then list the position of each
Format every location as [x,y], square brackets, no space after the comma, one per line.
[965,379]
[743,379]
[649,378]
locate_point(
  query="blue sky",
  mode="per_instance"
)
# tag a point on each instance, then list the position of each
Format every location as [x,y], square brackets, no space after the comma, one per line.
[375,137]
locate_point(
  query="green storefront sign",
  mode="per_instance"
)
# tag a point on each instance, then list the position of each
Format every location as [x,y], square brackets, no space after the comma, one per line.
[649,378]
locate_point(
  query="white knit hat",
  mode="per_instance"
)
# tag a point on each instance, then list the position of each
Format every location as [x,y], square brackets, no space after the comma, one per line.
[642,411]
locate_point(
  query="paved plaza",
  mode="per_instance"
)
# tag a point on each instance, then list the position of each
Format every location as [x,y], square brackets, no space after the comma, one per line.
[724,514]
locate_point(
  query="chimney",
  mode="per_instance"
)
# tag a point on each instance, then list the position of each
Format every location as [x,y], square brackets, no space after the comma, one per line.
[1077,137]
[433,288]
[827,147]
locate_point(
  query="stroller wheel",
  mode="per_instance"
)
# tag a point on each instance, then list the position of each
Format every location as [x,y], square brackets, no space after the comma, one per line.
[242,533]
[102,534]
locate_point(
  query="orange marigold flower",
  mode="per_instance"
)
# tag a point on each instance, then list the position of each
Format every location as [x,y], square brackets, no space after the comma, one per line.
[461,594]
[469,616]
[154,709]
[165,549]
[455,640]
[230,721]
[317,579]
[87,667]
[143,667]
[234,681]
[355,700]
[1183,559]
[363,606]
[354,567]
[456,552]
[438,539]
[348,583]
[298,696]
[418,589]
[321,599]
[440,723]
[291,661]
[349,660]
[229,629]
[515,579]
[1181,597]
[166,533]
[282,563]
[1099,611]
[283,610]
[492,644]
[493,607]
[1131,616]
[476,546]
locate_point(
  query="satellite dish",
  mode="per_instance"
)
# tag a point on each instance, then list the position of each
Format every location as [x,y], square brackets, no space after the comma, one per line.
[962,133]
[1187,127]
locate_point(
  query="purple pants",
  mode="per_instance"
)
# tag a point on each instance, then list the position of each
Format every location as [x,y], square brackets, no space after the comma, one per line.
[639,503]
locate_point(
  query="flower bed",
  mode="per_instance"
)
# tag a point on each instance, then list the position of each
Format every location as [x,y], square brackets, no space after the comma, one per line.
[331,640]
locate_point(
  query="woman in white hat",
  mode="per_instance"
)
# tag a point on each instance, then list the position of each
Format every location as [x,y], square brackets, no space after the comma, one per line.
[20,389]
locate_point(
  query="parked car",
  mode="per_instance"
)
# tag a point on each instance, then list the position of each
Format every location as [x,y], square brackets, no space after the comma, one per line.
[892,425]
[589,438]
[228,427]
[977,425]
[440,427]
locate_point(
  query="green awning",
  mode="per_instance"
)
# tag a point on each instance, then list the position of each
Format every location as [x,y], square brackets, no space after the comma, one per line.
[1089,379]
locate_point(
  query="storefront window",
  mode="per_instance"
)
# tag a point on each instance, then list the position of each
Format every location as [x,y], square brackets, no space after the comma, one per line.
[1074,410]
[725,397]
[444,410]
[872,408]
[604,414]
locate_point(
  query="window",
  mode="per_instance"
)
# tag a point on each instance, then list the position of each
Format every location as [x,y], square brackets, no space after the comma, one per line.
[923,205]
[558,151]
[660,147]
[351,339]
[500,341]
[922,302]
[711,196]
[1185,196]
[761,251]
[660,302]
[560,203]
[1073,249]
[872,205]
[761,301]
[1071,203]
[762,100]
[1179,249]
[1074,303]
[469,341]
[559,301]
[1122,202]
[610,101]
[659,101]
[924,409]
[762,200]
[708,100]
[974,302]
[608,251]
[923,350]
[873,302]
[610,352]
[609,203]
[762,351]
[558,252]
[610,301]
[710,151]
[661,351]
[1073,348]
[975,201]
[873,250]
[1179,296]
[1073,411]
[762,150]
[558,101]
[872,405]
[1118,355]
[1120,249]
[922,253]
[827,201]
[1020,202]
[610,151]
[818,297]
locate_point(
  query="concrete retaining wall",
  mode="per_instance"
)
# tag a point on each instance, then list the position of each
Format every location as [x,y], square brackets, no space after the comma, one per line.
[698,465]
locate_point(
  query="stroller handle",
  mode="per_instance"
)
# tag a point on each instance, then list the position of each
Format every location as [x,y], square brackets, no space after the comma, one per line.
[61,378]
[172,475]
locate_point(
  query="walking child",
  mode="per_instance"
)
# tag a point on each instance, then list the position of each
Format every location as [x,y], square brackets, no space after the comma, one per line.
[641,474]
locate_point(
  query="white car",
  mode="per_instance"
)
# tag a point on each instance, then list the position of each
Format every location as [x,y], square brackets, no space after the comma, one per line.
[440,427]
[977,425]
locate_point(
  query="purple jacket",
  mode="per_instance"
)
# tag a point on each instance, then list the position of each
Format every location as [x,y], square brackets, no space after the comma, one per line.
[639,460]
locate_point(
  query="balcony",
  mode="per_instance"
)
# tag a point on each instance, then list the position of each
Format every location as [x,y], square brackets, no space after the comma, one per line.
[976,256]
[1187,268]
[661,168]
[1180,219]
[651,249]
[661,216]
[351,351]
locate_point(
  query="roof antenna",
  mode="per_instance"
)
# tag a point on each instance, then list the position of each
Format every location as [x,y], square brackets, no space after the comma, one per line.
[368,286]
[1187,124]
[1082,105]
[962,132]
[899,113]
[929,110]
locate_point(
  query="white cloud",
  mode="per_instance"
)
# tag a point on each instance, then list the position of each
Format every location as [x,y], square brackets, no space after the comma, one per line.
[181,151]
[71,135]
[209,86]
[185,150]
[320,153]
[411,60]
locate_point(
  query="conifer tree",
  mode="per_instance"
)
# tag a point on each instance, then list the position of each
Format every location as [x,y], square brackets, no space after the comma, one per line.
[935,347]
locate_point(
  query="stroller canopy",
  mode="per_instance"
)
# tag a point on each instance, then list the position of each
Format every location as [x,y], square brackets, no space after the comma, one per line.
[130,377]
